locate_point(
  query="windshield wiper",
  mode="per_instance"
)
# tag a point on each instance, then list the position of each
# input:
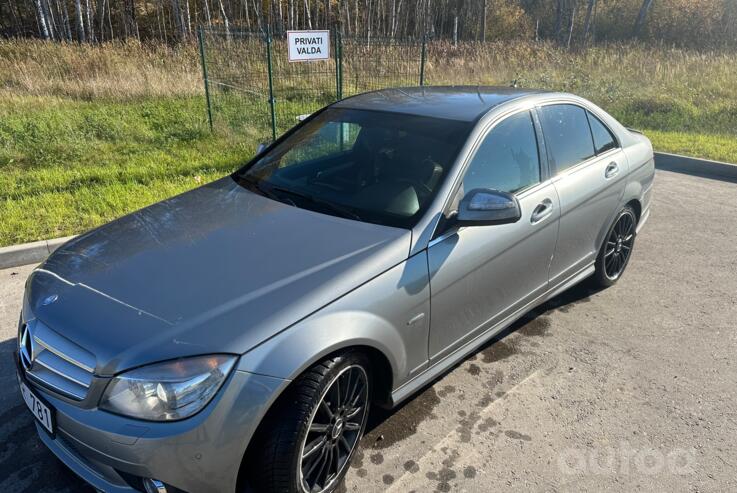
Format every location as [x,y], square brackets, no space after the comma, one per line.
[339,209]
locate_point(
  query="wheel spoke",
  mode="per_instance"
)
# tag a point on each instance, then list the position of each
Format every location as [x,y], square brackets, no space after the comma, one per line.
[351,390]
[318,428]
[313,447]
[315,462]
[352,413]
[345,444]
[609,253]
[324,406]
[350,426]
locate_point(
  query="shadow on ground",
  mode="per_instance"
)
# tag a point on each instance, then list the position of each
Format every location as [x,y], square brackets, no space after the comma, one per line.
[387,427]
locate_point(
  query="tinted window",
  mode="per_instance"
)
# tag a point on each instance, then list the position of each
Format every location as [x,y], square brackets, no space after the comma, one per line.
[567,135]
[372,166]
[603,138]
[507,159]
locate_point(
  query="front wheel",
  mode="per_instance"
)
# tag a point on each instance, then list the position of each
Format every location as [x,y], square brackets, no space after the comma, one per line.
[311,436]
[617,248]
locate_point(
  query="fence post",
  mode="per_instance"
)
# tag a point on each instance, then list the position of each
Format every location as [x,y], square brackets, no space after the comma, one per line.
[201,36]
[272,101]
[338,65]
[422,59]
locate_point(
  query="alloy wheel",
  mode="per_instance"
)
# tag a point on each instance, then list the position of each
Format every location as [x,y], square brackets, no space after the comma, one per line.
[334,430]
[619,245]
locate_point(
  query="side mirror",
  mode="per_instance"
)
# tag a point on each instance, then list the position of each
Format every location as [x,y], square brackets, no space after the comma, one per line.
[483,207]
[261,147]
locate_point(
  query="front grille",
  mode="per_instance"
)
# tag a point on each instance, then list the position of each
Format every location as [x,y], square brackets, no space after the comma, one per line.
[58,364]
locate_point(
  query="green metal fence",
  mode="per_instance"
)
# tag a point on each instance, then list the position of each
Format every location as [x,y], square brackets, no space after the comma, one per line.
[250,85]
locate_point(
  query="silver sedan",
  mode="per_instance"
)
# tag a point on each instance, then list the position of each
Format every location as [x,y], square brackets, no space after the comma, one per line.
[236,335]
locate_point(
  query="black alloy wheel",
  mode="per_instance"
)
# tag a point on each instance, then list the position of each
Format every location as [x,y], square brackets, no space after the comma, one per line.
[334,430]
[616,251]
[305,444]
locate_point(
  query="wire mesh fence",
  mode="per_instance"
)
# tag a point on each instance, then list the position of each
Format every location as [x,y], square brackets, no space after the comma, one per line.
[252,86]
[370,64]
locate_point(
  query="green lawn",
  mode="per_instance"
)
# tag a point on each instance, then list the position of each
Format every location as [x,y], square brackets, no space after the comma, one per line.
[70,165]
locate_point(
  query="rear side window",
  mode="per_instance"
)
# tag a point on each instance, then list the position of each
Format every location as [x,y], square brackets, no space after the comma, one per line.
[603,138]
[567,135]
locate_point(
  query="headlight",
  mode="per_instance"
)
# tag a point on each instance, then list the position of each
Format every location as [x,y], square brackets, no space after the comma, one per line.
[167,391]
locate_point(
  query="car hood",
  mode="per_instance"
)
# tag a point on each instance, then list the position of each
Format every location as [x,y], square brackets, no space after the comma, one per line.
[216,269]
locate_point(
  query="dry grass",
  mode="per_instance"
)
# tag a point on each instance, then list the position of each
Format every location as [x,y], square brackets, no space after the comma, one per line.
[116,71]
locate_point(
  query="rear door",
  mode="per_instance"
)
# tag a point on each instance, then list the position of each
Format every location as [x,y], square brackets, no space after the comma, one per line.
[479,275]
[590,172]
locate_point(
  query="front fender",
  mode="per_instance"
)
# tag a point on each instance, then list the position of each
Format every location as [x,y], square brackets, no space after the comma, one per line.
[390,314]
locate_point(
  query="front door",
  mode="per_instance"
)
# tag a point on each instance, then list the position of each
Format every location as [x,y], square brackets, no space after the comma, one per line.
[479,275]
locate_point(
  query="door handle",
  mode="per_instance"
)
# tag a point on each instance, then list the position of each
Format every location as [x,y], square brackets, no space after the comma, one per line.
[612,170]
[543,210]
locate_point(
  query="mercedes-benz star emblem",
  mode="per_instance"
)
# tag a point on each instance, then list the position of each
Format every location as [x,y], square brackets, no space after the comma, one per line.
[26,347]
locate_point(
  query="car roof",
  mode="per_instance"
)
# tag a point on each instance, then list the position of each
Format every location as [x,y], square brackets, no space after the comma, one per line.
[464,103]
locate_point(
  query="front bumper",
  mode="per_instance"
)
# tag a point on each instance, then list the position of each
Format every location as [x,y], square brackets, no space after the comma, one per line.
[198,454]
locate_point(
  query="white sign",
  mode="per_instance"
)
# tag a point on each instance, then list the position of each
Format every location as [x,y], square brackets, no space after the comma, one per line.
[305,46]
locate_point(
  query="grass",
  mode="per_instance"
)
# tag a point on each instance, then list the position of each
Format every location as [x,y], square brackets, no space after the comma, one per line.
[69,166]
[90,133]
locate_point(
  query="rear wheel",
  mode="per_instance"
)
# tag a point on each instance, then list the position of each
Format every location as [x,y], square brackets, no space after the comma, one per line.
[311,436]
[617,248]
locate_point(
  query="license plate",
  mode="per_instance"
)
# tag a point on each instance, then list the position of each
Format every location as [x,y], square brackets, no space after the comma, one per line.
[42,412]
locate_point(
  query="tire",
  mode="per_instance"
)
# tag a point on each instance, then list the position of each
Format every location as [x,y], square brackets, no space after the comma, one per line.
[616,250]
[301,425]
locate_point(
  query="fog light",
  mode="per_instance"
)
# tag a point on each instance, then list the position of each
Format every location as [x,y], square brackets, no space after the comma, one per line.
[154,486]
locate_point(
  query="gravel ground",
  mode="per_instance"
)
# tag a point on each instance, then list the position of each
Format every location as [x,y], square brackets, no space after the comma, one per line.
[631,388]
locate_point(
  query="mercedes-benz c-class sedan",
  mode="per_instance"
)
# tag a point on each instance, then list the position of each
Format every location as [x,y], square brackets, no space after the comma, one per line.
[235,336]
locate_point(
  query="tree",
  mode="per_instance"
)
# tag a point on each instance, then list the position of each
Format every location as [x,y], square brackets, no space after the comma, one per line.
[589,17]
[42,23]
[641,18]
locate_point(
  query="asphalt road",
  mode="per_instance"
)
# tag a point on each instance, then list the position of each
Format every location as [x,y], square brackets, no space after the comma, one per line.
[631,388]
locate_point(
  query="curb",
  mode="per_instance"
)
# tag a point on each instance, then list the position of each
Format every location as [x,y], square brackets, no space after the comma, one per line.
[29,253]
[703,168]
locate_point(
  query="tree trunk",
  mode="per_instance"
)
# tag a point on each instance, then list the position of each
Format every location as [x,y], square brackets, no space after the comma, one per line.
[187,18]
[483,21]
[642,17]
[80,22]
[225,19]
[570,27]
[50,21]
[207,13]
[587,22]
[65,21]
[308,16]
[101,17]
[559,11]
[455,29]
[43,25]
[177,13]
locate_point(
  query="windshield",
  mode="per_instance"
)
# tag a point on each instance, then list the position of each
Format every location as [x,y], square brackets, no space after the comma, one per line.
[372,166]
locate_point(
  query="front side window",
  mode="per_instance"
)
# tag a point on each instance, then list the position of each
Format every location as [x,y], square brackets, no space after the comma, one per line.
[371,166]
[507,159]
[567,135]
[603,138]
